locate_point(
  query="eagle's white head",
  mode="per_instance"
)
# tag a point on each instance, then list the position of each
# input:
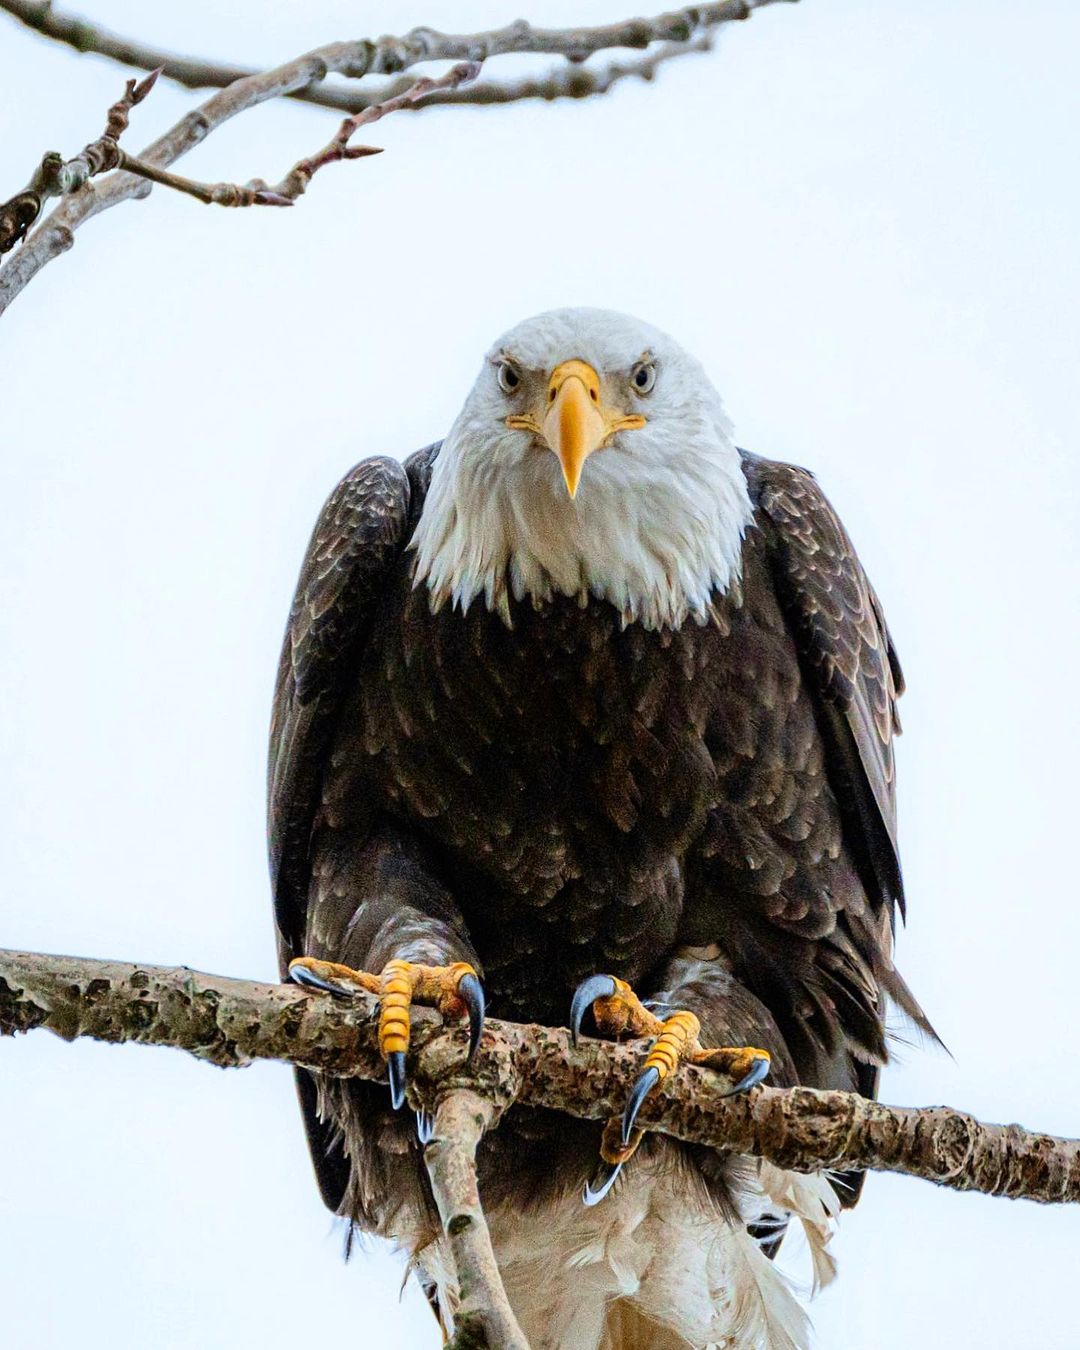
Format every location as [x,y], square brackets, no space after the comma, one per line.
[592,458]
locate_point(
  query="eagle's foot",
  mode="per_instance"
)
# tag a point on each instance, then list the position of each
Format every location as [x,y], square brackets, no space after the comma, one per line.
[619,1011]
[746,1065]
[453,990]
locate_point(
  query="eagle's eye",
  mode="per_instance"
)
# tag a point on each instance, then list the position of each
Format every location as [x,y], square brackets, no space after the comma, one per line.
[509,379]
[643,377]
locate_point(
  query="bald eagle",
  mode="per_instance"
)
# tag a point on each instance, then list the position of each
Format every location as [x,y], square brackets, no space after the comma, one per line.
[588,715]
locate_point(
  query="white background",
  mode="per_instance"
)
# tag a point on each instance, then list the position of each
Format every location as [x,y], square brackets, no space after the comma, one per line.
[863,217]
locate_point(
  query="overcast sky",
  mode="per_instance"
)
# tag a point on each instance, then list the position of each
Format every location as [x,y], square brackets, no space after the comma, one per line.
[863,218]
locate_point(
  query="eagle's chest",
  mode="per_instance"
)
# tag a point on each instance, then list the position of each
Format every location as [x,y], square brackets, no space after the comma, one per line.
[561,726]
[563,768]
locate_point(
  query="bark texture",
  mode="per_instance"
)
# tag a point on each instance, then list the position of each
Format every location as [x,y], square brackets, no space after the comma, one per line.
[233,1022]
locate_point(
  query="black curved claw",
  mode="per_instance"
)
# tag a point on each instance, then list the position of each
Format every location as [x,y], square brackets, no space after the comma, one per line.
[601,1183]
[425,1126]
[585,995]
[395,1067]
[638,1093]
[471,993]
[758,1071]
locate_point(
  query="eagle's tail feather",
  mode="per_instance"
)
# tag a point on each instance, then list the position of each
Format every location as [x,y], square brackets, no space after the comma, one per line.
[765,1311]
[814,1202]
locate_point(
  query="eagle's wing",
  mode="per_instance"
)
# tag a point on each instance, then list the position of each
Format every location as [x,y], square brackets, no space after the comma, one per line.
[359,535]
[854,677]
[846,651]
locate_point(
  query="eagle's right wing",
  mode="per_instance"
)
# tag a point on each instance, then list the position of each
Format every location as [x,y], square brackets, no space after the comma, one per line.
[359,536]
[361,532]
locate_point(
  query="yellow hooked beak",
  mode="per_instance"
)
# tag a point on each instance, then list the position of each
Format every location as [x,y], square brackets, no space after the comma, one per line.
[575,421]
[574,426]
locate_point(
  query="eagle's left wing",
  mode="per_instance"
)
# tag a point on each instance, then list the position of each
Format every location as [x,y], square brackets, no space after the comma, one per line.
[846,651]
[854,677]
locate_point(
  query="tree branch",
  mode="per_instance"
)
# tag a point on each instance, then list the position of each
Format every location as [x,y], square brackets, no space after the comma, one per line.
[232,1022]
[484,1316]
[677,27]
[682,31]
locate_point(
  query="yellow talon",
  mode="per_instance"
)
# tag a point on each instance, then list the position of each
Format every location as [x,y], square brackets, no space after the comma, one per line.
[453,990]
[617,1011]
[397,984]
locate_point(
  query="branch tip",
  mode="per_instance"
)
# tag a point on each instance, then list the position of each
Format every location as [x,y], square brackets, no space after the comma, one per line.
[141,90]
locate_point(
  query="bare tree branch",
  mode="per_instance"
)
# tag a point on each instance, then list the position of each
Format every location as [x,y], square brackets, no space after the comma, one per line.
[55,178]
[232,1022]
[681,30]
[677,27]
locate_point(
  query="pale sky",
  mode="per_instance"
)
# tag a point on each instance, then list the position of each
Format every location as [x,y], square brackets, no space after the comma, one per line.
[863,219]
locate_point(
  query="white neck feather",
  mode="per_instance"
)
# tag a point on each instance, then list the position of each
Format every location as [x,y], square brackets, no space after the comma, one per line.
[656,527]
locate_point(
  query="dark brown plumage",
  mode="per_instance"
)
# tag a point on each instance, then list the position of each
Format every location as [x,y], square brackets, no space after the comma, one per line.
[570,796]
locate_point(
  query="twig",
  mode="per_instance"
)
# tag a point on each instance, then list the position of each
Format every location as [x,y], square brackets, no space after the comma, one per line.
[232,1022]
[294,184]
[354,60]
[483,1316]
[55,177]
